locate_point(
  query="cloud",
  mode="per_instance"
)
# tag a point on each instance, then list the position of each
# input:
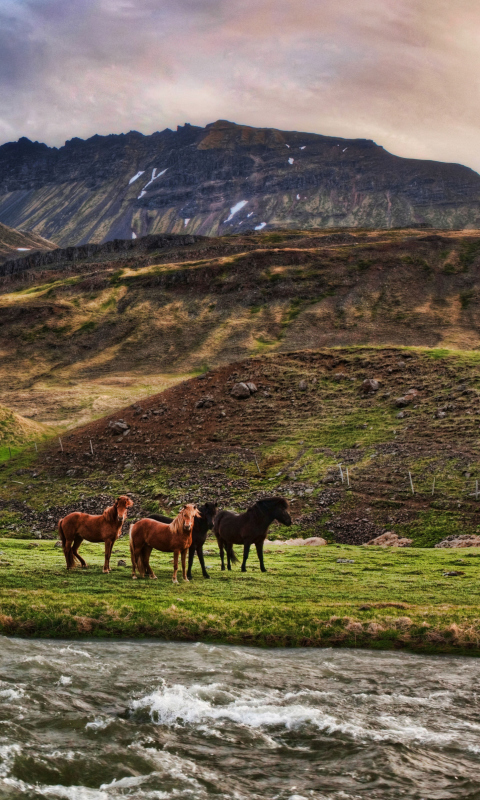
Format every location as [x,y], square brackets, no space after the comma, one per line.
[403,72]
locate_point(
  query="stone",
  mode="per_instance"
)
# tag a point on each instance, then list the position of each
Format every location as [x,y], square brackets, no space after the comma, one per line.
[401,415]
[440,414]
[121,563]
[370,385]
[463,540]
[252,387]
[58,543]
[345,561]
[205,402]
[389,539]
[303,386]
[118,426]
[315,541]
[240,391]
[453,572]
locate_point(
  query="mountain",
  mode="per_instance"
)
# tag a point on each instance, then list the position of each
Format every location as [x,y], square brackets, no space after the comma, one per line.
[222,179]
[15,244]
[100,326]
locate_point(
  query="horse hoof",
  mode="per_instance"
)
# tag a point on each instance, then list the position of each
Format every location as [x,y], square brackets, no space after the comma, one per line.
[153,577]
[174,581]
[206,575]
[134,577]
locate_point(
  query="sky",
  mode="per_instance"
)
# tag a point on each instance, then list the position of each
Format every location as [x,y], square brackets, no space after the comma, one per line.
[404,73]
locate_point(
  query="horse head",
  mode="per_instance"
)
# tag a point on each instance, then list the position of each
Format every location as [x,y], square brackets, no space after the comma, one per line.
[188,514]
[122,504]
[278,508]
[208,511]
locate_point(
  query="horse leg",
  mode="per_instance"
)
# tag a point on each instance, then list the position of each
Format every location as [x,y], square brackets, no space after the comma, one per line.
[67,550]
[108,553]
[184,564]
[76,544]
[202,562]
[147,551]
[228,548]
[246,550]
[220,544]
[259,547]
[175,566]
[191,556]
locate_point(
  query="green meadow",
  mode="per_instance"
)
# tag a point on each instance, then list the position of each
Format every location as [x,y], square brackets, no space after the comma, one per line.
[397,598]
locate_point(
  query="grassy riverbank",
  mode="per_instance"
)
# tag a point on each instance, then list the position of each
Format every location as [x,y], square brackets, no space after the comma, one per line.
[385,599]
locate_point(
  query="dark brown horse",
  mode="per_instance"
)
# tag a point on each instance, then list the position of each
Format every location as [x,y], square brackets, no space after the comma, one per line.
[106,527]
[201,526]
[176,537]
[249,528]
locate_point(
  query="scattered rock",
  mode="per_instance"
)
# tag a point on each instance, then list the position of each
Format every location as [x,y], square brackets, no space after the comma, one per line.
[440,414]
[453,572]
[240,391]
[401,415]
[58,543]
[205,402]
[345,561]
[464,540]
[370,385]
[303,386]
[121,563]
[252,387]
[390,539]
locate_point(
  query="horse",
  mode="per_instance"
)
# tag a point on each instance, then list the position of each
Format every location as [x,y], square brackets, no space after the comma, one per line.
[249,528]
[201,526]
[148,534]
[106,527]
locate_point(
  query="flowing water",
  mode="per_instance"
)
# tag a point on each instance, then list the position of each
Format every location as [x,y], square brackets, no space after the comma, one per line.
[108,720]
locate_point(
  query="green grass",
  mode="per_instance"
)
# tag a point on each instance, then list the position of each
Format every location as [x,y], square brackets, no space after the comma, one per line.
[385,599]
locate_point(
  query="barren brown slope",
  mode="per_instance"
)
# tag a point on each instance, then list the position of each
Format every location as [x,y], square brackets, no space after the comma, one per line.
[73,332]
[196,441]
[15,244]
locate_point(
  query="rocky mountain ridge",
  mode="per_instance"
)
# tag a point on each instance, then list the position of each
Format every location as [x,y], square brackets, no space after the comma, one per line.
[222,179]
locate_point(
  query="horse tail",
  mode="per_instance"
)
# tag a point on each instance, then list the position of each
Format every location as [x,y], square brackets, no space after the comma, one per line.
[61,533]
[132,552]
[231,553]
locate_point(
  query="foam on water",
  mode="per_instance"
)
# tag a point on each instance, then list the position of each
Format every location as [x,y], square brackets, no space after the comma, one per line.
[148,721]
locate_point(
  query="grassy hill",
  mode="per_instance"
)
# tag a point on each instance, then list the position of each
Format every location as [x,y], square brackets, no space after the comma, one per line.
[343,458]
[92,333]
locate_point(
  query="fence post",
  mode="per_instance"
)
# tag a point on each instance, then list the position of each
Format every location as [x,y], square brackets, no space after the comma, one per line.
[411,482]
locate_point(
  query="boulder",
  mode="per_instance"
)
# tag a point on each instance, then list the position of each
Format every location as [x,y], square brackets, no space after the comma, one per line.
[390,539]
[118,426]
[370,385]
[463,540]
[240,391]
[252,387]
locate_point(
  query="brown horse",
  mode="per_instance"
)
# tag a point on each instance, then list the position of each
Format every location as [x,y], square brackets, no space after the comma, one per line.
[176,537]
[249,528]
[106,527]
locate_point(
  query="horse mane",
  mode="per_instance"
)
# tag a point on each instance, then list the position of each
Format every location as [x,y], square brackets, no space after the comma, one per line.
[110,513]
[174,525]
[269,503]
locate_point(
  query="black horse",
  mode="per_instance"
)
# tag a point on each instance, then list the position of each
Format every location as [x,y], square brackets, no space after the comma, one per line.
[249,528]
[201,526]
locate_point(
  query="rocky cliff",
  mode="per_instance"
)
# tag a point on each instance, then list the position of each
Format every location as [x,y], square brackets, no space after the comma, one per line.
[224,178]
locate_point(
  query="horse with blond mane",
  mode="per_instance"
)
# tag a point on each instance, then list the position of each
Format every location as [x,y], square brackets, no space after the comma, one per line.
[176,537]
[106,527]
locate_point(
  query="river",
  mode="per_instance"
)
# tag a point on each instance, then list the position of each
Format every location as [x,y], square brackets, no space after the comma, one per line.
[154,720]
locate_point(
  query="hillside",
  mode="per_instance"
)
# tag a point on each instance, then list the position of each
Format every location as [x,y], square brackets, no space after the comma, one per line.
[15,244]
[309,433]
[222,179]
[92,332]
